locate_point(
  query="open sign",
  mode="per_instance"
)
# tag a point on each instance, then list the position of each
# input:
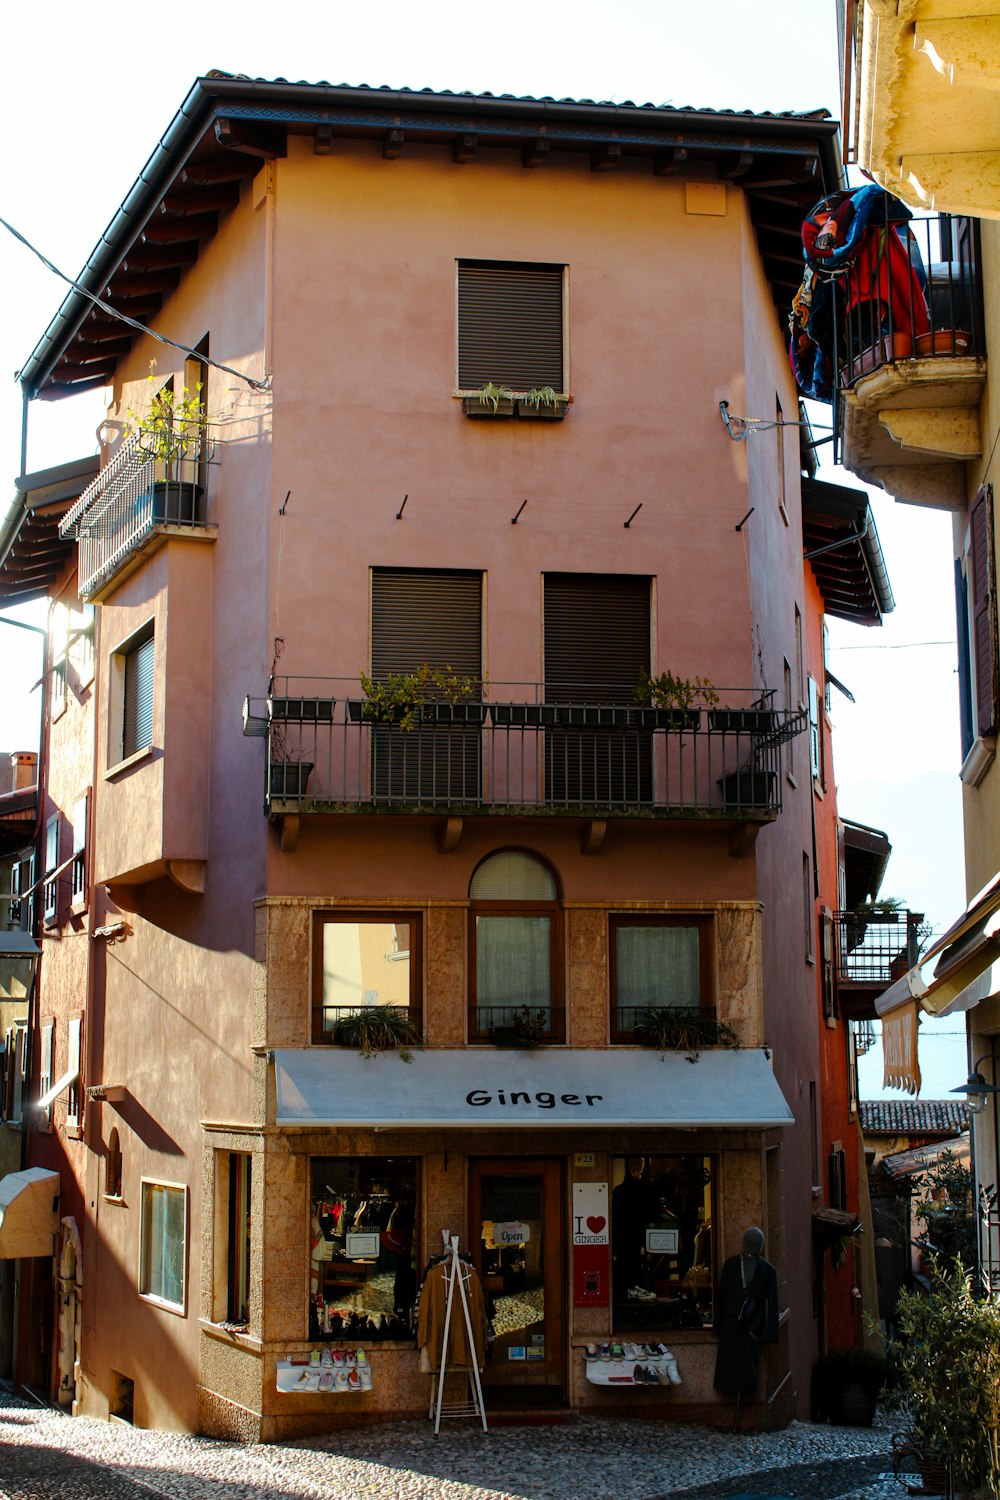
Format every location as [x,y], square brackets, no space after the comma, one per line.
[511,1234]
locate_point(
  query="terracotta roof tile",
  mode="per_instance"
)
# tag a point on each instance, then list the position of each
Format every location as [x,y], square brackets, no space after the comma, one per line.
[913,1116]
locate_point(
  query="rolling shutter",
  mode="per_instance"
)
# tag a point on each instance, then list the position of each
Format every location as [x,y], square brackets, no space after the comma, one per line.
[983,612]
[596,636]
[137,719]
[510,325]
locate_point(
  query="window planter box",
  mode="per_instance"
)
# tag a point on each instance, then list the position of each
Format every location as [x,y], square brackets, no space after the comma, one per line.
[756,720]
[522,715]
[289,779]
[302,710]
[177,502]
[544,412]
[473,407]
[954,341]
[453,713]
[360,711]
[747,788]
[676,719]
[596,716]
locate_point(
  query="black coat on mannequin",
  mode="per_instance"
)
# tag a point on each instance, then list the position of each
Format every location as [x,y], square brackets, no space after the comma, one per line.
[747,1275]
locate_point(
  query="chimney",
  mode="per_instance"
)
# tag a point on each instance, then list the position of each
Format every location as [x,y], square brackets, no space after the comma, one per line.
[23,765]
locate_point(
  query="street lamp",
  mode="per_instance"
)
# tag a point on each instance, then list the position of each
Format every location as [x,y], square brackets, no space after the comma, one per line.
[19,954]
[976,1089]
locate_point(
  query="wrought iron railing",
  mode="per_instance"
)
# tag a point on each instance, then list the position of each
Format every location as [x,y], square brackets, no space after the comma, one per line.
[875,948]
[519,751]
[133,495]
[912,291]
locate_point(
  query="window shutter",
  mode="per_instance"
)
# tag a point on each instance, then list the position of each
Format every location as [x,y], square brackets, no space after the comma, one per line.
[596,636]
[983,610]
[138,713]
[510,325]
[423,616]
[965,696]
[73,1066]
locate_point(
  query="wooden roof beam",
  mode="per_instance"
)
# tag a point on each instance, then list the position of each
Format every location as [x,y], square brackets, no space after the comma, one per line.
[169,231]
[392,145]
[213,199]
[173,258]
[252,138]
[535,153]
[668,163]
[464,149]
[606,156]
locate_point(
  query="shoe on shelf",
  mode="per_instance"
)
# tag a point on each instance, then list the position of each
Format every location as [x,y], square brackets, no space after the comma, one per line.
[630,1351]
[650,1376]
[354,1381]
[638,1375]
[590,1352]
[360,1357]
[338,1359]
[640,1294]
[340,1380]
[325,1357]
[673,1374]
[617,1352]
[326,1381]
[605,1351]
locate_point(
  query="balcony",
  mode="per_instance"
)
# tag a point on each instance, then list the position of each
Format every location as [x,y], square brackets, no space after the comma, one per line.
[520,754]
[911,365]
[871,950]
[133,505]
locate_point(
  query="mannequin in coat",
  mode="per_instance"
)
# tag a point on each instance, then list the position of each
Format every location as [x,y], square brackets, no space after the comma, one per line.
[744,1276]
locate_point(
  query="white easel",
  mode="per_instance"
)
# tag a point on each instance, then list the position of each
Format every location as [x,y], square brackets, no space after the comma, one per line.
[473,1405]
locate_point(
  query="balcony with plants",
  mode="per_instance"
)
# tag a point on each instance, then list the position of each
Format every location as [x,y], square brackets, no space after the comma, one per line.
[154,484]
[888,326]
[429,742]
[873,946]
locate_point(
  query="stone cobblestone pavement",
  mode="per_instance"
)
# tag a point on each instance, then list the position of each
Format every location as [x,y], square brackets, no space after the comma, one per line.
[47,1456]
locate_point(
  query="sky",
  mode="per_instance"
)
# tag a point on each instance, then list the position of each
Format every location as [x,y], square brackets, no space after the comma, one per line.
[90,96]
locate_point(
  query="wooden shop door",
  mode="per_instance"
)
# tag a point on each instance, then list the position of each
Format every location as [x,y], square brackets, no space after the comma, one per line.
[516,1243]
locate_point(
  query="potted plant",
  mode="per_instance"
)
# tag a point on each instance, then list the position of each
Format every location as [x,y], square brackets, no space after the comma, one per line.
[668,701]
[526,1028]
[758,719]
[288,776]
[431,694]
[747,787]
[172,432]
[542,403]
[681,1029]
[378,1028]
[490,401]
[846,1385]
[947,1355]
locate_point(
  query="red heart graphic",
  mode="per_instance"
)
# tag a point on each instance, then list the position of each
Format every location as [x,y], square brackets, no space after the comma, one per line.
[595,1224]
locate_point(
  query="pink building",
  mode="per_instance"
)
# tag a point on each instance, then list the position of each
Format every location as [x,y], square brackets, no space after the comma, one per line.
[463,359]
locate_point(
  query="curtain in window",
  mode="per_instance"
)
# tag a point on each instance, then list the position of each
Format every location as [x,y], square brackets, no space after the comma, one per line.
[512,967]
[657,966]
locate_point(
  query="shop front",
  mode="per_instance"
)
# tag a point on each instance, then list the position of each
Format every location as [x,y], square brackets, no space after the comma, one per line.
[595,1196]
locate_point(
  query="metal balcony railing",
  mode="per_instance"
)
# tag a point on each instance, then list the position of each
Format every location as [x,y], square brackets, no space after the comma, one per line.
[912,291]
[875,948]
[133,496]
[520,752]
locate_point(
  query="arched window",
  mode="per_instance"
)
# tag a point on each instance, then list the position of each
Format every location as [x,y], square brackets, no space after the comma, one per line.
[515,951]
[113,1168]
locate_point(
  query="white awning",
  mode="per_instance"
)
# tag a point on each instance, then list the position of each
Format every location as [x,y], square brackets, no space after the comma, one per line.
[29,1213]
[969,947]
[537,1088]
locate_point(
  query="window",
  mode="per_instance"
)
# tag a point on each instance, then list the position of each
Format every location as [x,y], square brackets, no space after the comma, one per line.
[977,621]
[362,1228]
[423,616]
[510,326]
[364,958]
[132,681]
[815,731]
[515,951]
[808,909]
[13,1071]
[79,871]
[662,1242]
[238,1240]
[779,434]
[73,1036]
[791,704]
[113,1167]
[597,640]
[46,1064]
[163,1235]
[50,897]
[658,963]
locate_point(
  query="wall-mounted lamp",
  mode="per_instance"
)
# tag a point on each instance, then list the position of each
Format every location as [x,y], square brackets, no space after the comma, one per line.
[976,1089]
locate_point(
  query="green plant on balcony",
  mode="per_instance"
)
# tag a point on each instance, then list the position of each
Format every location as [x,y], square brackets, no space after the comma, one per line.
[670,1029]
[525,1028]
[399,697]
[539,396]
[666,690]
[378,1028]
[174,425]
[491,395]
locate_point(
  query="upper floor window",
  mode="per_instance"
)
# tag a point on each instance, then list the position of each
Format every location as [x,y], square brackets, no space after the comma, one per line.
[360,959]
[515,958]
[50,908]
[510,326]
[978,655]
[132,682]
[658,963]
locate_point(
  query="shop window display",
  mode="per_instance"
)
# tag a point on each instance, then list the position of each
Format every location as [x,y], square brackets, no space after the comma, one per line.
[362,1225]
[662,1244]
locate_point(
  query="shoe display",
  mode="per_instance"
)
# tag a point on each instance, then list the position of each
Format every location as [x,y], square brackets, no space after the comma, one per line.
[651,1377]
[366,1378]
[673,1374]
[354,1381]
[605,1351]
[630,1351]
[325,1357]
[338,1359]
[590,1352]
[639,1375]
[341,1380]
[360,1357]
[326,1381]
[617,1352]
[640,1294]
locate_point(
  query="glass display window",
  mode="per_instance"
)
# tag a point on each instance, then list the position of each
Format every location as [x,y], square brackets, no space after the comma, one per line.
[362,1245]
[662,1242]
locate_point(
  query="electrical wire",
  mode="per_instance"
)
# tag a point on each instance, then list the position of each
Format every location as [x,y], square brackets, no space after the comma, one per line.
[113,312]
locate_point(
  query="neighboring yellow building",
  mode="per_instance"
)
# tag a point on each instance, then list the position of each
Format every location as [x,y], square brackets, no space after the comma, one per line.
[922,118]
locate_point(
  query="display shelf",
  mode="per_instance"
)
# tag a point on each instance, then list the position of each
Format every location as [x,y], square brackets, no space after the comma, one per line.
[621,1373]
[293,1377]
